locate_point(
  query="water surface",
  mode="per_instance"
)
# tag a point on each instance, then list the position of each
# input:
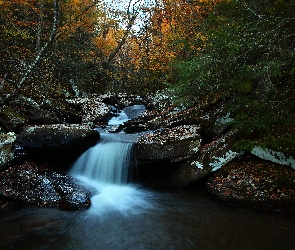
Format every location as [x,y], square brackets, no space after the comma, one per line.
[134,218]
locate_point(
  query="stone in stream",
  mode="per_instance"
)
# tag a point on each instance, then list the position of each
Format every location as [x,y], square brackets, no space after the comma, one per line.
[32,184]
[57,144]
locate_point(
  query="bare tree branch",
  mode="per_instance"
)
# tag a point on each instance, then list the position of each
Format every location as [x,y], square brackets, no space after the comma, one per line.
[39,55]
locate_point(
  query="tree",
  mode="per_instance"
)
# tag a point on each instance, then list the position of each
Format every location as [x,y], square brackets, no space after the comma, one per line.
[26,71]
[247,59]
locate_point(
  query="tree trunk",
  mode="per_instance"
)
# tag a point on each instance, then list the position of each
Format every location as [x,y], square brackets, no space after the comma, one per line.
[39,55]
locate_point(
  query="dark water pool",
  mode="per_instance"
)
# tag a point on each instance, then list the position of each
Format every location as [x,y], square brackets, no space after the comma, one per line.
[139,219]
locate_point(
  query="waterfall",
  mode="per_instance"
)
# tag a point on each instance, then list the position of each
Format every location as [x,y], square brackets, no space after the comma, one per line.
[105,168]
[107,162]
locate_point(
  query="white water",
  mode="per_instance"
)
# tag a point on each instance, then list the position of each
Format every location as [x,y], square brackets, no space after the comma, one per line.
[106,162]
[120,119]
[104,167]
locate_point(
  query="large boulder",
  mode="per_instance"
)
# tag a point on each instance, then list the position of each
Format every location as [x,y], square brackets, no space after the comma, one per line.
[94,110]
[35,185]
[255,183]
[174,144]
[7,142]
[57,145]
[210,157]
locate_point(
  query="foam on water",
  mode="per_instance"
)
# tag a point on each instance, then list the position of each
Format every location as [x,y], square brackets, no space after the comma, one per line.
[126,199]
[105,167]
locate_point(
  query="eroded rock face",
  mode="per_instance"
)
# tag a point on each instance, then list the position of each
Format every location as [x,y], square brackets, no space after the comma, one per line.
[210,158]
[174,144]
[35,185]
[7,142]
[58,144]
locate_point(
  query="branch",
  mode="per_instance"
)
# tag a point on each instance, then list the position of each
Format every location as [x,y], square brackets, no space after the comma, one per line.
[39,55]
[131,18]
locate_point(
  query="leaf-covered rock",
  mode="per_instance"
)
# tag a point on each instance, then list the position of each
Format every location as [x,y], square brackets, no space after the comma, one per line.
[173,144]
[35,185]
[255,183]
[209,158]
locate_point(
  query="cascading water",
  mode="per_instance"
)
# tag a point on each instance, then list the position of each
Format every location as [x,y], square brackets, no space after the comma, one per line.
[107,162]
[105,168]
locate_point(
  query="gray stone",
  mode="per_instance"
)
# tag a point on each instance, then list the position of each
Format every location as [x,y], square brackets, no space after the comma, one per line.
[210,158]
[172,144]
[58,144]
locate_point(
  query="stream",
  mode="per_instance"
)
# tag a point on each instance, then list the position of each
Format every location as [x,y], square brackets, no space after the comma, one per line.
[125,216]
[137,218]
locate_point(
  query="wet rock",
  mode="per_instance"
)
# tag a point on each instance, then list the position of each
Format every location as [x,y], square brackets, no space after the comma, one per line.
[172,144]
[256,184]
[7,142]
[35,185]
[134,126]
[209,158]
[57,145]
[121,100]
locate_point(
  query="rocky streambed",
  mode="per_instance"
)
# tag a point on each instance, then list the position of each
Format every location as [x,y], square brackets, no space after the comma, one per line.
[176,148]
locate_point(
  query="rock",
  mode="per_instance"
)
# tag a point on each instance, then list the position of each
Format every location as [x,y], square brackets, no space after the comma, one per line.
[41,116]
[57,145]
[65,111]
[255,183]
[7,142]
[273,156]
[172,144]
[121,100]
[215,121]
[11,119]
[172,117]
[94,110]
[162,99]
[35,185]
[209,158]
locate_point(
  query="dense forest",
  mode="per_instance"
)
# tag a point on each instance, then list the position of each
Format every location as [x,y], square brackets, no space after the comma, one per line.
[237,52]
